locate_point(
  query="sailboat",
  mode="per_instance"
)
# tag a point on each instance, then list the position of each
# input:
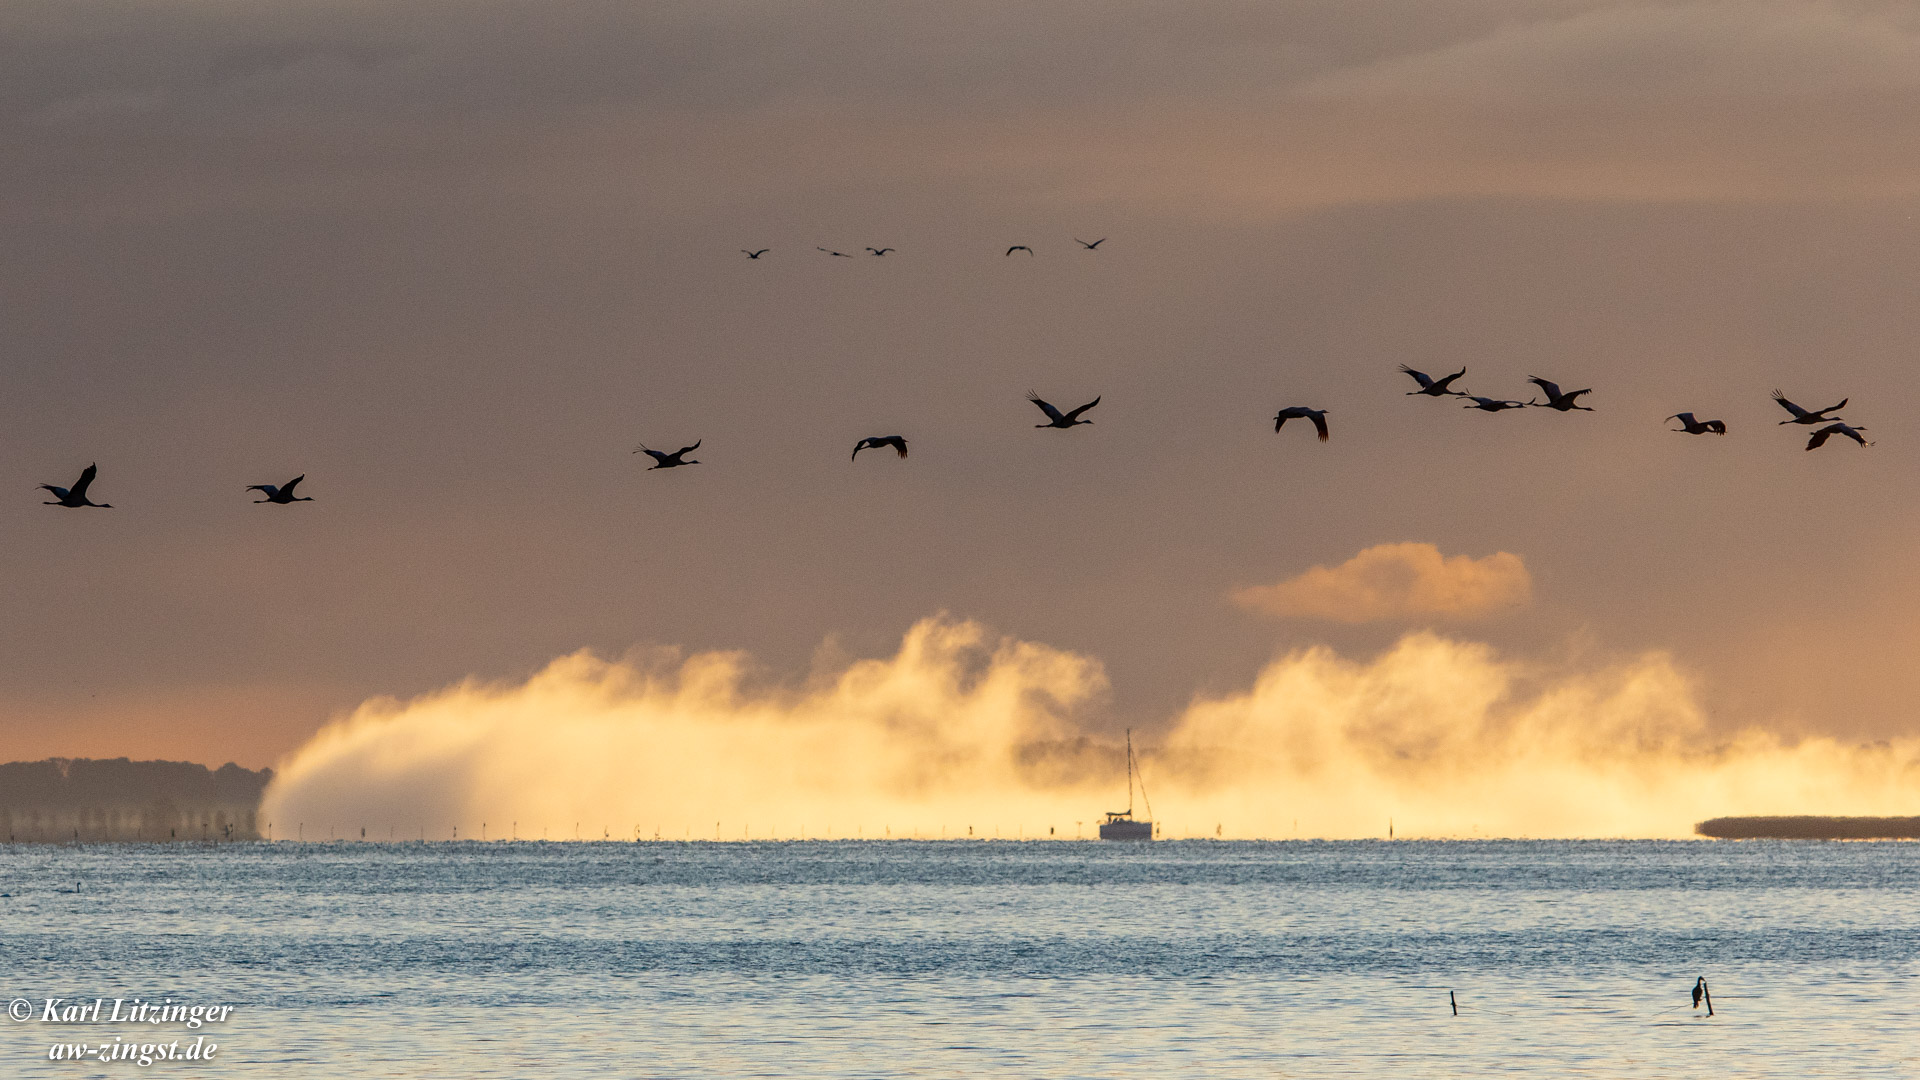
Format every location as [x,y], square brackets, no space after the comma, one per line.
[1120,824]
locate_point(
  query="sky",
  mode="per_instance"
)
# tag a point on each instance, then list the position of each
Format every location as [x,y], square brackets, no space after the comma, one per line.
[454,261]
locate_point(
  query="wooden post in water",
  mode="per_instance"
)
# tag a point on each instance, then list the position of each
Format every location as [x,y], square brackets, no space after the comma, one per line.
[1451,1000]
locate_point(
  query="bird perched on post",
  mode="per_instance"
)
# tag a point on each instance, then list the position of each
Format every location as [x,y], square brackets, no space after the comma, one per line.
[1690,426]
[1301,412]
[1555,399]
[1820,437]
[875,442]
[1802,416]
[282,494]
[669,461]
[1699,988]
[1432,387]
[1055,418]
[1487,404]
[76,496]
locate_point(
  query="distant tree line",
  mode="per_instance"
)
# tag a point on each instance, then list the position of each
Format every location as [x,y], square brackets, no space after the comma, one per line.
[1811,828]
[83,800]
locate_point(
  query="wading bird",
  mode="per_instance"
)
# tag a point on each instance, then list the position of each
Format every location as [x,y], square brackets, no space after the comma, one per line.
[1699,988]
[1690,426]
[1820,437]
[1054,416]
[668,461]
[1019,247]
[1487,404]
[282,494]
[1088,246]
[1433,387]
[1301,412]
[835,254]
[875,442]
[1557,400]
[879,251]
[1802,416]
[754,254]
[77,495]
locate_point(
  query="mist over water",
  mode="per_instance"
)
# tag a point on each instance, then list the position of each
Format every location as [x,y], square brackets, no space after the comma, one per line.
[961,730]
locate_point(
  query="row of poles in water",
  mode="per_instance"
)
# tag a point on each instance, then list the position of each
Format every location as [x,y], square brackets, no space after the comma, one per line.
[1702,994]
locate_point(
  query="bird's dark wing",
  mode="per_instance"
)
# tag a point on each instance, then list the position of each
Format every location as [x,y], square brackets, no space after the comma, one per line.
[1097,243]
[1814,442]
[288,486]
[1796,410]
[1836,408]
[897,442]
[1053,414]
[1280,419]
[86,477]
[266,489]
[1552,388]
[1075,414]
[857,447]
[1718,427]
[687,449]
[1685,418]
[1319,424]
[1019,247]
[1420,377]
[1448,381]
[1853,433]
[654,454]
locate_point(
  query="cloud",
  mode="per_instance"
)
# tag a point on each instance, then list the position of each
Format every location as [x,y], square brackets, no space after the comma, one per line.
[961,729]
[1240,108]
[1397,581]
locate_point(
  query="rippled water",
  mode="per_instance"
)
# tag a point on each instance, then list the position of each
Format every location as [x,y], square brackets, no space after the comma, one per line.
[961,959]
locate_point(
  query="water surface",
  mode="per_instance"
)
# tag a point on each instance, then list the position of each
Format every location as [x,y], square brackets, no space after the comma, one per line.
[1048,959]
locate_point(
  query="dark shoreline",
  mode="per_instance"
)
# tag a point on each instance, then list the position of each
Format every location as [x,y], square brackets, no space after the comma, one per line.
[84,800]
[1810,827]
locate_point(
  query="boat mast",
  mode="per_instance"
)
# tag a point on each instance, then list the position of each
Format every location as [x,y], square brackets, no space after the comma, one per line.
[1129,772]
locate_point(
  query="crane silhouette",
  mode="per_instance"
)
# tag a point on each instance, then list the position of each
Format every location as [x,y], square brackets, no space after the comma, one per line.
[754,254]
[1019,247]
[879,251]
[76,496]
[1088,246]
[1487,404]
[282,494]
[1802,416]
[1557,400]
[835,254]
[875,442]
[1056,419]
[1820,437]
[1301,412]
[668,461]
[1690,426]
[1432,387]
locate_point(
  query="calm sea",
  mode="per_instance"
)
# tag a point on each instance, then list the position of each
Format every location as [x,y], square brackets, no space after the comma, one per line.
[1042,959]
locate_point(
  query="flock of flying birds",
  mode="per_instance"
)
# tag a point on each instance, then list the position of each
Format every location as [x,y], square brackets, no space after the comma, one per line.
[1557,399]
